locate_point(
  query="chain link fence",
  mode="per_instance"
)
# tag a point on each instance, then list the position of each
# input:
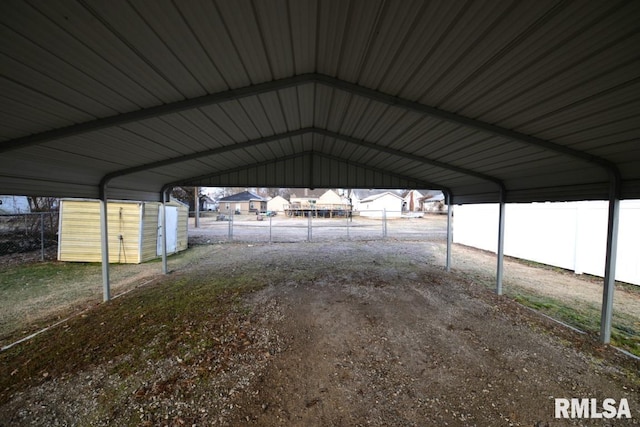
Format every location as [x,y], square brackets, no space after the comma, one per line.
[28,237]
[378,225]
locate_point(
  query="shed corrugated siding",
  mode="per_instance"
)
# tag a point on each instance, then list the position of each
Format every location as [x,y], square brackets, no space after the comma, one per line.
[149,231]
[80,231]
[183,219]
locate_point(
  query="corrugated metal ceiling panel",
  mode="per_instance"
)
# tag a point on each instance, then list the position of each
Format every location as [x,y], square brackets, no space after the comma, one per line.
[518,64]
[197,119]
[562,72]
[467,39]
[589,115]
[67,45]
[36,109]
[18,119]
[240,22]
[210,30]
[132,29]
[478,49]
[239,118]
[564,53]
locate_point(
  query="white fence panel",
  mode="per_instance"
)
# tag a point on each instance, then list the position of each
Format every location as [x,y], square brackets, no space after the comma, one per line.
[568,235]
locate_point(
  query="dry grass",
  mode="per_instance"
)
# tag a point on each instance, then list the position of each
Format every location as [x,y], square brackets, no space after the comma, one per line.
[560,294]
[37,294]
[172,317]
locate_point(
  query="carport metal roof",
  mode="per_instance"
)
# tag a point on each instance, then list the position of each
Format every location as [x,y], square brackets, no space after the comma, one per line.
[542,98]
[487,100]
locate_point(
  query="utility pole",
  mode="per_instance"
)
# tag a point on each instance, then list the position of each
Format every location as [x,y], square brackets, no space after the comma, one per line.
[197,206]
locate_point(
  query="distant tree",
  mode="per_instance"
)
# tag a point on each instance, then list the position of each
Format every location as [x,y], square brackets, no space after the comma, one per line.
[185,195]
[50,222]
[43,204]
[229,191]
[282,192]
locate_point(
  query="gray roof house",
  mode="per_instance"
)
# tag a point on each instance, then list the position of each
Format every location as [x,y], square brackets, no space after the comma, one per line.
[240,203]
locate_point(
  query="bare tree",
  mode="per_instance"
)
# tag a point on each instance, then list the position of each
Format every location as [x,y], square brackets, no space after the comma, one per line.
[185,195]
[43,204]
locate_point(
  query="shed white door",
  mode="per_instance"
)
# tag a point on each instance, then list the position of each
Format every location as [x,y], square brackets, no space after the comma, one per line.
[172,230]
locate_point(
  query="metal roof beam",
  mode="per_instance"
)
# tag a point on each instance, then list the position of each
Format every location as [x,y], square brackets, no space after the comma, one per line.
[242,145]
[190,181]
[462,120]
[193,156]
[410,156]
[424,184]
[160,110]
[295,81]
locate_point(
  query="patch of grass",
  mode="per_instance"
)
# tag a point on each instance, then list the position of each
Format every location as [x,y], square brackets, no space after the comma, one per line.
[627,287]
[33,292]
[174,317]
[39,276]
[625,330]
[37,294]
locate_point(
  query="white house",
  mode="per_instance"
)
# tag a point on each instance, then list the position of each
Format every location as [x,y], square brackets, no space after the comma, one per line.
[277,204]
[411,202]
[433,203]
[10,205]
[305,198]
[380,204]
[207,203]
[330,198]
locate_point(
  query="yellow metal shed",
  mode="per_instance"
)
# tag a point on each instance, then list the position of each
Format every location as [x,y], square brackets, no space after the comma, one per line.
[134,230]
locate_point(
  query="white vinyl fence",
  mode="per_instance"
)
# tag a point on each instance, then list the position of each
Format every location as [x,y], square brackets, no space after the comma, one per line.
[569,235]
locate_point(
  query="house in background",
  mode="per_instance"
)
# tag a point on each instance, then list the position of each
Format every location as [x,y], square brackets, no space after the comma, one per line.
[12,205]
[411,202]
[207,203]
[305,198]
[377,205]
[331,198]
[242,203]
[355,196]
[433,202]
[277,204]
[318,202]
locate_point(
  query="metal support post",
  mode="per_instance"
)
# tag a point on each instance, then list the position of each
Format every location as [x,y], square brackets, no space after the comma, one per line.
[104,240]
[270,232]
[348,219]
[449,230]
[196,208]
[42,236]
[309,227]
[500,254]
[163,212]
[610,263]
[231,226]
[384,223]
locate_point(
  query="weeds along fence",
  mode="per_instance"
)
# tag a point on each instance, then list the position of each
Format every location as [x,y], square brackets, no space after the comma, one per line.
[32,233]
[317,226]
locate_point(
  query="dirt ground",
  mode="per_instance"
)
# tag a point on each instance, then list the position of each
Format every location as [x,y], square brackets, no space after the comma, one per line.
[353,334]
